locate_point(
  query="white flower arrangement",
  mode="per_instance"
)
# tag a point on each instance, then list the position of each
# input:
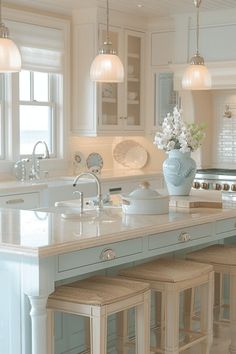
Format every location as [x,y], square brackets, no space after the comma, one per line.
[177,134]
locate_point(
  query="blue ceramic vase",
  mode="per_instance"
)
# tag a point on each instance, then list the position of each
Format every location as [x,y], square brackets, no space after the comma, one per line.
[179,171]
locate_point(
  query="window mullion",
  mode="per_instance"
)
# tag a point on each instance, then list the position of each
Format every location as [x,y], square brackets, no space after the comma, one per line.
[31,86]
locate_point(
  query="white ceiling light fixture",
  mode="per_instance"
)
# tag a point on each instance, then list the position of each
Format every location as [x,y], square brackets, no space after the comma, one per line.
[10,58]
[107,66]
[197,76]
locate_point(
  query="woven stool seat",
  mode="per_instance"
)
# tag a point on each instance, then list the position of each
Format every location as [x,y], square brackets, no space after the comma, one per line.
[95,299]
[167,270]
[216,254]
[223,259]
[173,282]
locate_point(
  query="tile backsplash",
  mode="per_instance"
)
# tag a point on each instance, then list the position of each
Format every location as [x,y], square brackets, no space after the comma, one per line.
[105,145]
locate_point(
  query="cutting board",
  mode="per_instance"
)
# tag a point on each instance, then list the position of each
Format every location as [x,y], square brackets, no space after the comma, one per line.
[192,202]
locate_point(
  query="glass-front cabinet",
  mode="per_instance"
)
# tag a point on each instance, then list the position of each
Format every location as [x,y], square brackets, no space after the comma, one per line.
[166,98]
[120,106]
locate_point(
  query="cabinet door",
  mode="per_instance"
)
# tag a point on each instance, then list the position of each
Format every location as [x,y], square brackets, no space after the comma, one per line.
[162,47]
[165,96]
[109,94]
[20,201]
[134,92]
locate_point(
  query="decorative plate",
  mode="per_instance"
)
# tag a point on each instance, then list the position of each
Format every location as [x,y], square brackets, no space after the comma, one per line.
[94,159]
[131,154]
[78,159]
[107,90]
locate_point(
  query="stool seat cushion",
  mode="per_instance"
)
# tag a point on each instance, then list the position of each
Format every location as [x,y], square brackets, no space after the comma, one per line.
[167,270]
[99,290]
[216,254]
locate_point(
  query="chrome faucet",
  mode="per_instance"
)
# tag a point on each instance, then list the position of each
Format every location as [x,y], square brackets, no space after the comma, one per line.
[99,189]
[35,169]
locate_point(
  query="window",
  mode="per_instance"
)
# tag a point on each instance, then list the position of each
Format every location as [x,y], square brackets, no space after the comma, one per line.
[34,104]
[37,111]
[2,109]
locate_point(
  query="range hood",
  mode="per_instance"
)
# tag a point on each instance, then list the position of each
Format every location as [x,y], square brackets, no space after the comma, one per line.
[223,75]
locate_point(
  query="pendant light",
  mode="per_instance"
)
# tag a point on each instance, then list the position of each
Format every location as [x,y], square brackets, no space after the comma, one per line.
[107,66]
[10,58]
[197,76]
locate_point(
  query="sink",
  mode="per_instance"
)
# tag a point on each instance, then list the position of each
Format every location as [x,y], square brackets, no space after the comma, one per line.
[59,181]
[108,214]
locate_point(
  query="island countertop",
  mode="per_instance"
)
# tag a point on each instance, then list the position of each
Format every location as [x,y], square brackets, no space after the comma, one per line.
[44,234]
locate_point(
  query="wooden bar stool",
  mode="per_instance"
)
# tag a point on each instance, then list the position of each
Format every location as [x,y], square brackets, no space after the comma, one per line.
[97,298]
[171,279]
[223,259]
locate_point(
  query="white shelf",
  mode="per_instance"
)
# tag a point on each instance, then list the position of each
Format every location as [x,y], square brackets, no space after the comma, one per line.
[133,102]
[133,55]
[133,79]
[108,100]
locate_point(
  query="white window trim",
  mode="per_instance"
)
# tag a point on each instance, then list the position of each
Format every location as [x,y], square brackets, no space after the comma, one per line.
[11,150]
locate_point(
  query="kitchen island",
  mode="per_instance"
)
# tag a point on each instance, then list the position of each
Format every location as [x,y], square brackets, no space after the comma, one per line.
[38,249]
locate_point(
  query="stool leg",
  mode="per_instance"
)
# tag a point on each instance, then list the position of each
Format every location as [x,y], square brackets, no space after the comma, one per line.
[232,347]
[122,331]
[206,316]
[172,320]
[188,310]
[143,326]
[98,331]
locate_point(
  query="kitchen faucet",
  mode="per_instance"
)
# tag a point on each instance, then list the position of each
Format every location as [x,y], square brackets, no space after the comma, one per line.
[99,189]
[35,169]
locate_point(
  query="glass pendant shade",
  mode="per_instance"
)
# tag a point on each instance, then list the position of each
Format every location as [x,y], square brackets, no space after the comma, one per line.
[107,68]
[196,77]
[10,58]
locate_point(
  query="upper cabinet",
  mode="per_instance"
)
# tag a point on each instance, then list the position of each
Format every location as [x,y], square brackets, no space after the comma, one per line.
[120,105]
[162,48]
[107,108]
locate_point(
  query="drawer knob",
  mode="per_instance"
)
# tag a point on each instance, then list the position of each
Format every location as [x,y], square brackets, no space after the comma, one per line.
[107,255]
[15,201]
[184,237]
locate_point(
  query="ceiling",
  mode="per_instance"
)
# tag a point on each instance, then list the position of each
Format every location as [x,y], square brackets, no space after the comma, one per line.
[150,8]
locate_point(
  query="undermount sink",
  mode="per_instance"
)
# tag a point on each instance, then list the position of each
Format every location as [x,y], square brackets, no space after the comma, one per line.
[58,181]
[107,215]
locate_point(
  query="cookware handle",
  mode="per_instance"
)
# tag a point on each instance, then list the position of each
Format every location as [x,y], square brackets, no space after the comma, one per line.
[125,202]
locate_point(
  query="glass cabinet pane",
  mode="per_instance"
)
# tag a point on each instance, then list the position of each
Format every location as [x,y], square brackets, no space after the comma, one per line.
[133,80]
[109,91]
[165,96]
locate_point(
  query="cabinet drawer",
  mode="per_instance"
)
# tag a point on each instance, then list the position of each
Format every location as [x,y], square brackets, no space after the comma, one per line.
[99,254]
[20,201]
[178,236]
[226,225]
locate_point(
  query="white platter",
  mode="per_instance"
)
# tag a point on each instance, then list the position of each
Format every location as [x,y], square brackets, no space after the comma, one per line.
[131,154]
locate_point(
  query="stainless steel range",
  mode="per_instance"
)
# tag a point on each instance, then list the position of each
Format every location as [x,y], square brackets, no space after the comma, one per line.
[215,179]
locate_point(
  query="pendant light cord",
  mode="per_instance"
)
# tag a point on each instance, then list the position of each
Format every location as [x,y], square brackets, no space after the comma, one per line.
[197,3]
[0,11]
[108,35]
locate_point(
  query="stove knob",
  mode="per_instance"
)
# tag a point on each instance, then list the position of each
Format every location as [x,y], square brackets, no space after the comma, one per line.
[233,187]
[205,185]
[196,185]
[218,187]
[225,187]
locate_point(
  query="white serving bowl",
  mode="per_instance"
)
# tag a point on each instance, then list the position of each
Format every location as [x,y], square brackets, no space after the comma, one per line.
[145,200]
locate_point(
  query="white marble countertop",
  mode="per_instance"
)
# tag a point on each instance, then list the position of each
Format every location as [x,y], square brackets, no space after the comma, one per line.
[43,234]
[14,186]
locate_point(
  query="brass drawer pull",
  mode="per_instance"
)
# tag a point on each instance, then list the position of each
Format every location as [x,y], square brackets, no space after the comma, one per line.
[15,201]
[184,237]
[107,254]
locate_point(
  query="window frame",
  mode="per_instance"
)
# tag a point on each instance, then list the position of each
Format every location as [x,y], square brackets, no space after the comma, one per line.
[51,103]
[11,110]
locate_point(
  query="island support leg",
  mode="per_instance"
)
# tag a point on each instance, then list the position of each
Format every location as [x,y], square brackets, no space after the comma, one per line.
[232,348]
[38,315]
